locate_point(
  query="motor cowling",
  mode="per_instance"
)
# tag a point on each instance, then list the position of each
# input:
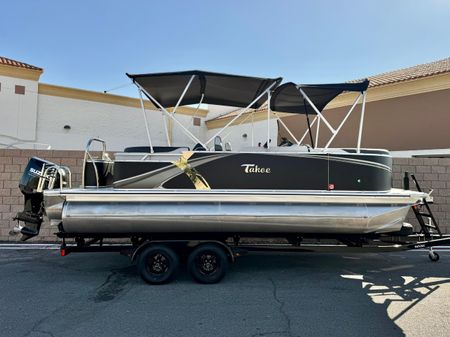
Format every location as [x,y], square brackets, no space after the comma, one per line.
[38,176]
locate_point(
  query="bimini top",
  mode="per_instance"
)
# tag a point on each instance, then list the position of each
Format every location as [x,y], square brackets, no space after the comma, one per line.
[206,87]
[288,98]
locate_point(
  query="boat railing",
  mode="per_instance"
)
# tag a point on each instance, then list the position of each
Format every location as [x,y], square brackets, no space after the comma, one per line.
[88,155]
[49,176]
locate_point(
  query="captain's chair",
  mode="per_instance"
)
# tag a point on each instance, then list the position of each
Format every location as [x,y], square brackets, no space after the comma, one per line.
[218,144]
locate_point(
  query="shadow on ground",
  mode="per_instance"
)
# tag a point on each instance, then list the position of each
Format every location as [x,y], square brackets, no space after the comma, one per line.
[278,294]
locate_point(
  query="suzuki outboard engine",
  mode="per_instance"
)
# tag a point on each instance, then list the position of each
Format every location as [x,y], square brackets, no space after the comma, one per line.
[39,175]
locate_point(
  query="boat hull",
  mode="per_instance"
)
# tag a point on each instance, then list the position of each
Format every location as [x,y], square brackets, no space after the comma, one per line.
[255,170]
[127,212]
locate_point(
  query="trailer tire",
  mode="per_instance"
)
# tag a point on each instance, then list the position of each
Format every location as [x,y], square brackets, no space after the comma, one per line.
[208,263]
[158,264]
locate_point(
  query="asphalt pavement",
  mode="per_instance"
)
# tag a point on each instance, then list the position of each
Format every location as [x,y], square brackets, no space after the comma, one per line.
[264,294]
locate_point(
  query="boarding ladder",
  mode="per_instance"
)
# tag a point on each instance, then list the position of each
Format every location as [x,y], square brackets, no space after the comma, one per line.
[422,211]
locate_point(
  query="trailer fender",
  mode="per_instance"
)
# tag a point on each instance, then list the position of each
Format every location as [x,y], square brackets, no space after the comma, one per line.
[189,243]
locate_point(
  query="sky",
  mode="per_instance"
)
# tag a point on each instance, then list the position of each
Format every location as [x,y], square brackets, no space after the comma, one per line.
[92,44]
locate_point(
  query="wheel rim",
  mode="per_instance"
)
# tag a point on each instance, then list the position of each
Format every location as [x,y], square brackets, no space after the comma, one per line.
[158,264]
[207,263]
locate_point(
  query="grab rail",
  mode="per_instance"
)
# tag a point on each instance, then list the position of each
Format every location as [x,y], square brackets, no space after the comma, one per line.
[87,155]
[49,175]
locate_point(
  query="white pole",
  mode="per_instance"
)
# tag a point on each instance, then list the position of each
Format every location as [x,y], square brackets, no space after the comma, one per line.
[184,93]
[145,121]
[307,129]
[168,137]
[166,128]
[316,110]
[240,114]
[253,133]
[342,123]
[188,133]
[317,134]
[285,126]
[268,119]
[361,121]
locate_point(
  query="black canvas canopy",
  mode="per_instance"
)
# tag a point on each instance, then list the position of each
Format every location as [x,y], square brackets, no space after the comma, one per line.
[207,87]
[287,97]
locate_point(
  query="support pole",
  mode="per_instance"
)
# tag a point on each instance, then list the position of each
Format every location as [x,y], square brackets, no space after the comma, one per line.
[167,123]
[166,129]
[307,130]
[184,93]
[343,122]
[305,96]
[145,121]
[317,134]
[164,110]
[286,128]
[253,130]
[240,114]
[361,122]
[268,119]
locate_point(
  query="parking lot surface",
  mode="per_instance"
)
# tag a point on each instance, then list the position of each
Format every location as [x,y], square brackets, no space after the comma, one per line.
[264,294]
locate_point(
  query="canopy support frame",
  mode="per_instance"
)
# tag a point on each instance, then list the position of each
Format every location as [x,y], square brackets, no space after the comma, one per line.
[268,119]
[286,128]
[334,132]
[363,108]
[343,121]
[164,110]
[317,134]
[240,113]
[147,128]
[305,96]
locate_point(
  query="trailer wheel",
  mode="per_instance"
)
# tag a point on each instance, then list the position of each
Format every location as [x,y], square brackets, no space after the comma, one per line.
[208,263]
[433,256]
[158,264]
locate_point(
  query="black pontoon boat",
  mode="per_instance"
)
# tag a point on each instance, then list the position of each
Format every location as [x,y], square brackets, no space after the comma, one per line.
[207,190]
[296,190]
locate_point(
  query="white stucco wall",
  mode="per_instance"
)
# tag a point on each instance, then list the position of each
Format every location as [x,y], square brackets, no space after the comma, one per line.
[179,138]
[18,113]
[120,126]
[40,118]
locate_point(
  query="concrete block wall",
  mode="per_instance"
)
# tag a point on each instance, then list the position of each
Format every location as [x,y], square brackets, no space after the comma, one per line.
[12,165]
[432,173]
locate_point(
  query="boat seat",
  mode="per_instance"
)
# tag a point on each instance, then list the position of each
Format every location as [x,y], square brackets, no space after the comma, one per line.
[156,149]
[105,169]
[294,149]
[218,144]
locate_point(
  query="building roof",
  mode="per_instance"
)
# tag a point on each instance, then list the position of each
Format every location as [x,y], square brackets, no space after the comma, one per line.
[391,77]
[410,73]
[13,63]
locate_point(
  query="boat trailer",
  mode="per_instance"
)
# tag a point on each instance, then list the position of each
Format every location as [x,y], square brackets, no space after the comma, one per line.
[158,256]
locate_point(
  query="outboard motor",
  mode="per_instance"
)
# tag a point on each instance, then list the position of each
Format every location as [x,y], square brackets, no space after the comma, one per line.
[38,176]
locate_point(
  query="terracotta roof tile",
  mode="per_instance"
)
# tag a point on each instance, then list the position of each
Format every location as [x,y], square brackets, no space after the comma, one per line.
[411,73]
[18,64]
